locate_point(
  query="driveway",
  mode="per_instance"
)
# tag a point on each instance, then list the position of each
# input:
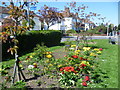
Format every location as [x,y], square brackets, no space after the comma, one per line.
[73,38]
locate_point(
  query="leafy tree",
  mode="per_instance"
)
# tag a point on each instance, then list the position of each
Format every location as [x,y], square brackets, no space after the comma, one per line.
[9,33]
[119,27]
[50,15]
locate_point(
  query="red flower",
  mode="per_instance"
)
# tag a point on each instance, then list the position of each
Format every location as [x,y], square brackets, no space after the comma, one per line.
[78,69]
[81,58]
[100,49]
[84,83]
[62,72]
[82,65]
[87,78]
[74,56]
[35,66]
[61,69]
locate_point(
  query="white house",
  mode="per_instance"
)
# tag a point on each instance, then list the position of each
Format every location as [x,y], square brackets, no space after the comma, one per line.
[68,22]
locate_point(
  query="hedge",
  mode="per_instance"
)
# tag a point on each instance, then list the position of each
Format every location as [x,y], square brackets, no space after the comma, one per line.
[28,40]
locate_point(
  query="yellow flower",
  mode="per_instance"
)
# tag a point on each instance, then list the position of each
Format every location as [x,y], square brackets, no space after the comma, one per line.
[34,63]
[77,51]
[50,65]
[92,54]
[73,45]
[85,62]
[59,65]
[48,52]
[99,52]
[31,56]
[0,69]
[49,56]
[86,48]
[96,49]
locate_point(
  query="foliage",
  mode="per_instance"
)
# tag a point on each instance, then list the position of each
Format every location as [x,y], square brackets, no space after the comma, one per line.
[119,27]
[19,84]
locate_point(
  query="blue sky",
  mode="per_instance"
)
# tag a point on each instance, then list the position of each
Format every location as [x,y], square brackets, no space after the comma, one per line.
[106,9]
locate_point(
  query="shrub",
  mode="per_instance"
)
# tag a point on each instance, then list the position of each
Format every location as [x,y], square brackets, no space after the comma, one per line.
[28,40]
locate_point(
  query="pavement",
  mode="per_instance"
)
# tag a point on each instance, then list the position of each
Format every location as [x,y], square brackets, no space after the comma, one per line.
[73,38]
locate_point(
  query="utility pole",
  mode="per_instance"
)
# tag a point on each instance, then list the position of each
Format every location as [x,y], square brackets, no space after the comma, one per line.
[28,16]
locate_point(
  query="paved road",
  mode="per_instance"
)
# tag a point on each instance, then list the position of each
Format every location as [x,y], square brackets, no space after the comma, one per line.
[73,38]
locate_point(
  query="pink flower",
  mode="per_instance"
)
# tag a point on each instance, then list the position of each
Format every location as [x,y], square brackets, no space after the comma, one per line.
[100,49]
[87,78]
[84,83]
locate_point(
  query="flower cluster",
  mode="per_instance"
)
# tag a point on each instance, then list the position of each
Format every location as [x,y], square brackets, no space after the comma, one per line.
[79,62]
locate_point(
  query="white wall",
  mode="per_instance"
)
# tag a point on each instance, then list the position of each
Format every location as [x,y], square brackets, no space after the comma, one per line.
[37,23]
[65,24]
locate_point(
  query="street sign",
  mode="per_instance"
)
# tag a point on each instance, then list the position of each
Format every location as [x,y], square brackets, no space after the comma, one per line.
[33,8]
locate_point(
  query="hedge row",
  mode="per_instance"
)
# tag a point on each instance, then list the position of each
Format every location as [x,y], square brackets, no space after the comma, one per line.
[28,40]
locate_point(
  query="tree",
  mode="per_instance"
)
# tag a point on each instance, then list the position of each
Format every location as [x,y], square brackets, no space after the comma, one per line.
[9,33]
[79,14]
[119,27]
[50,15]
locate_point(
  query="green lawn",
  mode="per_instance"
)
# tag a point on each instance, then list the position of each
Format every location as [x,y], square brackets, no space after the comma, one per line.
[108,62]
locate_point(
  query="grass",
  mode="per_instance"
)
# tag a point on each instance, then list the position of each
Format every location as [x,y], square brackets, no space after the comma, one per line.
[108,61]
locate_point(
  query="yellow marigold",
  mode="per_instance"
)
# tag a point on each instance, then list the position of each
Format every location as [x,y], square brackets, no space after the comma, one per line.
[96,49]
[48,52]
[92,54]
[73,45]
[86,48]
[99,52]
[31,56]
[85,62]
[49,56]
[77,51]
[50,65]
[59,65]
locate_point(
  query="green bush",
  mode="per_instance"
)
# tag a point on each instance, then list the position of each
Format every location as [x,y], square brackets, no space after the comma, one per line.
[28,40]
[71,31]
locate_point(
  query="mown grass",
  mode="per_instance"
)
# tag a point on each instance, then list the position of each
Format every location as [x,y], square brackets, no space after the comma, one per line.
[108,61]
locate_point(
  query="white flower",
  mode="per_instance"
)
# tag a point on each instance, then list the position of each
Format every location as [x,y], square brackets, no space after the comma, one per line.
[71,48]
[30,67]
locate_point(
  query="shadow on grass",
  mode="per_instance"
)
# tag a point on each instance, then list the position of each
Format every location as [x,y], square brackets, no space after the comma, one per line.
[8,56]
